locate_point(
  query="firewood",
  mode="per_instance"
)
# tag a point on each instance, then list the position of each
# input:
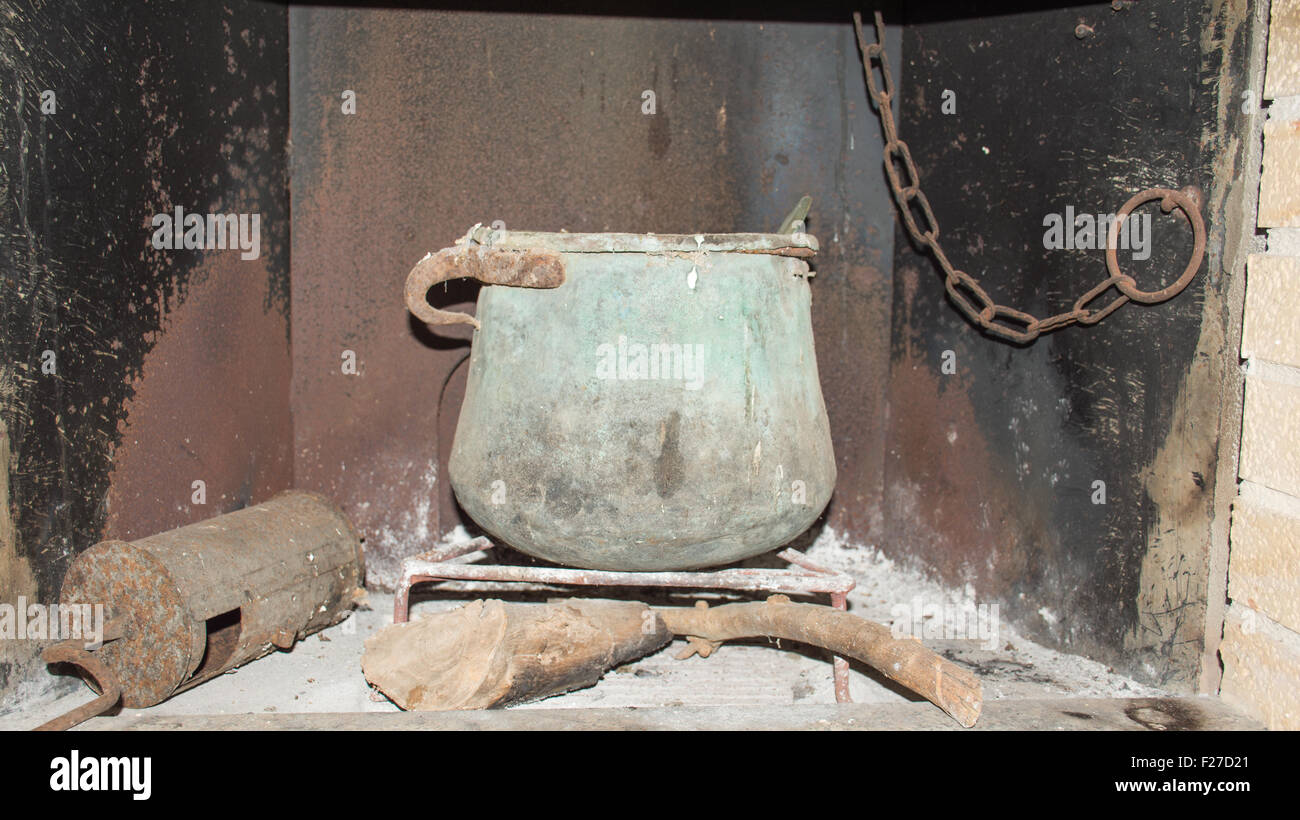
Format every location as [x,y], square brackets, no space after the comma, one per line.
[953,689]
[489,654]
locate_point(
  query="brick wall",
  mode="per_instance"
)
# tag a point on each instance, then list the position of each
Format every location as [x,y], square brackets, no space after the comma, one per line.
[1261,641]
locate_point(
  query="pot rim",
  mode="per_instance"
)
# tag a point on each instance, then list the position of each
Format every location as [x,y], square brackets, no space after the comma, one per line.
[793,244]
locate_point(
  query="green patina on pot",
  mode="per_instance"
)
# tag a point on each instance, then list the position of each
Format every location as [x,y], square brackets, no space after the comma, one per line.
[638,401]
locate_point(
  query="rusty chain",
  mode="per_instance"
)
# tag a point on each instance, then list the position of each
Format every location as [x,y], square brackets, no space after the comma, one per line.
[964,290]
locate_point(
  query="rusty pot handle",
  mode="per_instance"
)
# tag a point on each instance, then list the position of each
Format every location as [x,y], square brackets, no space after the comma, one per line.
[491,266]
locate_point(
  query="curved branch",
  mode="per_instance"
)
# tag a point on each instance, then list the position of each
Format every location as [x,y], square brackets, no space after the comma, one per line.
[953,689]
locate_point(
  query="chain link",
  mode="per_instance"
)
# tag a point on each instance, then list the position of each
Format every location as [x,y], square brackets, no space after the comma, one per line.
[962,288]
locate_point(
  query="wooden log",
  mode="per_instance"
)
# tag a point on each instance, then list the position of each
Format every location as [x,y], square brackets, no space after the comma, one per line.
[489,653]
[953,689]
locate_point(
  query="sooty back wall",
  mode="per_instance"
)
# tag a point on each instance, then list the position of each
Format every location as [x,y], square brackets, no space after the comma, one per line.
[129,372]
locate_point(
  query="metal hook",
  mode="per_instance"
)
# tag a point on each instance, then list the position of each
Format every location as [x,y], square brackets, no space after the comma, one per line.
[109,686]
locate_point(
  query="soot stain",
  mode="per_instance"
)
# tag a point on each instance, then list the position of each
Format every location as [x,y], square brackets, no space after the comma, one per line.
[1163,715]
[668,467]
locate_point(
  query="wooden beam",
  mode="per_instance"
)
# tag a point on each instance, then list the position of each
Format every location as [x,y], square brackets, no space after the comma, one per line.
[1136,714]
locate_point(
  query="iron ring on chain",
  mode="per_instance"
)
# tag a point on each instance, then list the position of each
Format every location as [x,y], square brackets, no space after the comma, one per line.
[1187,201]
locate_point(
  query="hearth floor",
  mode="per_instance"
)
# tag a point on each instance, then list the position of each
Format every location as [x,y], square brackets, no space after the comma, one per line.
[323,673]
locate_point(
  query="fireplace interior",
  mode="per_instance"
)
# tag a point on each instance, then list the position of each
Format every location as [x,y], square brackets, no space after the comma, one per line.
[1059,516]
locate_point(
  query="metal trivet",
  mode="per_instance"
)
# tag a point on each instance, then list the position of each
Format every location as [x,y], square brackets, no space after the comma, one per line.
[803,578]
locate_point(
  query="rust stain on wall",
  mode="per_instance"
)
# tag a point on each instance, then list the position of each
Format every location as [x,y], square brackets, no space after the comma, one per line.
[211,404]
[953,505]
[851,305]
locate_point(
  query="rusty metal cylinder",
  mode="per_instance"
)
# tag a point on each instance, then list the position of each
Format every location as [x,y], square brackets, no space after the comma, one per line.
[196,601]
